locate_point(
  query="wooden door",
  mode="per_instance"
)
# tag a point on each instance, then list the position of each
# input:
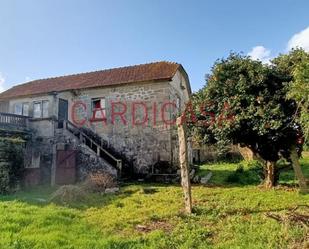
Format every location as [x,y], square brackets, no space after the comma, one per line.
[66,167]
[63,110]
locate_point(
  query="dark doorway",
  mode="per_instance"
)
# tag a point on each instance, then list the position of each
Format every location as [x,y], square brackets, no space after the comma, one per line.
[63,111]
[66,167]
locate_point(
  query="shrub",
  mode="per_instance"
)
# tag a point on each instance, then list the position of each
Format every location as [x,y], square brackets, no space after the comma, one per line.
[240,169]
[98,182]
[233,178]
[11,164]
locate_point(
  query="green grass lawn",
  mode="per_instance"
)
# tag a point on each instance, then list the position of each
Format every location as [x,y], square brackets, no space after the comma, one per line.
[151,216]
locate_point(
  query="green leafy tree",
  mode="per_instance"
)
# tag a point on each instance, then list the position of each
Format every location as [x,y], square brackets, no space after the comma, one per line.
[244,102]
[295,67]
[299,91]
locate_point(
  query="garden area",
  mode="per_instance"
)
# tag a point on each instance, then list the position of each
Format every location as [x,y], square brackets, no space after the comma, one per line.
[226,214]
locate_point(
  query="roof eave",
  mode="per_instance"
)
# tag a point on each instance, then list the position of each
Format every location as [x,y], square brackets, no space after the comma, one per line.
[3,99]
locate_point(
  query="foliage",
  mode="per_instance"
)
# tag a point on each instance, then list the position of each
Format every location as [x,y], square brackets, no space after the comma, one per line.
[11,164]
[224,217]
[299,91]
[294,66]
[248,100]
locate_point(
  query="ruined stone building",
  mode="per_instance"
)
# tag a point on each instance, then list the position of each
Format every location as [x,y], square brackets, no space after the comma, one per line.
[120,120]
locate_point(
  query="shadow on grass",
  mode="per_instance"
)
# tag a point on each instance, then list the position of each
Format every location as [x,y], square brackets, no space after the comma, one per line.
[40,196]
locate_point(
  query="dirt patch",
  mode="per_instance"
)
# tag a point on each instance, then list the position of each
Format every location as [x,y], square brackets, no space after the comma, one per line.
[68,194]
[156,225]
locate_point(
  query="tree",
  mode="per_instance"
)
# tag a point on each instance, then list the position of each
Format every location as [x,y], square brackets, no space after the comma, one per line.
[295,66]
[299,91]
[244,102]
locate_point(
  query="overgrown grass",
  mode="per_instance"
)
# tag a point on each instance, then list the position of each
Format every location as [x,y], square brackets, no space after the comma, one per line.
[151,216]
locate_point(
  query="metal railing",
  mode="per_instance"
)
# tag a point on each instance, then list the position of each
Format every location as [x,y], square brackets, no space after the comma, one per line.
[97,148]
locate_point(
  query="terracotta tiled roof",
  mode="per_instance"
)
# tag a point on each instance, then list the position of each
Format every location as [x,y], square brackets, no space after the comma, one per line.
[157,71]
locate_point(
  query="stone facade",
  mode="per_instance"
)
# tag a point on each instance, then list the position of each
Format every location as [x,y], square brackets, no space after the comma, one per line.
[143,145]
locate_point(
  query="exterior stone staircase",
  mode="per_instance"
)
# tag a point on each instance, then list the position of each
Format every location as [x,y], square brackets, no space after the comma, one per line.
[89,139]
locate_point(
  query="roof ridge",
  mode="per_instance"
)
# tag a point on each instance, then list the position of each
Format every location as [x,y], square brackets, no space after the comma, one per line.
[96,71]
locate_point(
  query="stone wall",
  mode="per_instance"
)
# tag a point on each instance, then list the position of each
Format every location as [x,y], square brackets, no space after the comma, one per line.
[143,145]
[88,162]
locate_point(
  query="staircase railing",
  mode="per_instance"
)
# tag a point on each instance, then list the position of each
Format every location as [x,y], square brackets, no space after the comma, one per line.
[96,147]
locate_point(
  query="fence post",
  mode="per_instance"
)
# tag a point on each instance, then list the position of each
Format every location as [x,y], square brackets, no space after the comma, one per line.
[184,165]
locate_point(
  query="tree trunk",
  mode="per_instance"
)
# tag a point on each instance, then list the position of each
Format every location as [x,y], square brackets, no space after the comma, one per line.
[297,170]
[184,165]
[270,174]
[246,153]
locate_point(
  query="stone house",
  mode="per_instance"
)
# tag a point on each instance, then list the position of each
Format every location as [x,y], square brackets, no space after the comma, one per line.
[117,119]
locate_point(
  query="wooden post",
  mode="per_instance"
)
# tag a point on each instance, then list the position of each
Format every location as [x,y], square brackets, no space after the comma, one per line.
[98,150]
[184,165]
[54,165]
[298,172]
[54,157]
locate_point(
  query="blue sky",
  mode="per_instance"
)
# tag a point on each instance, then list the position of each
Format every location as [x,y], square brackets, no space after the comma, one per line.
[43,38]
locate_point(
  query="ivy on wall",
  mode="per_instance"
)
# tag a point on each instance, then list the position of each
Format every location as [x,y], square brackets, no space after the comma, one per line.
[11,164]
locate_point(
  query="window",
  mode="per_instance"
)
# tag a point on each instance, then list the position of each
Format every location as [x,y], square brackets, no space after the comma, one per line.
[18,109]
[45,109]
[21,109]
[26,109]
[98,108]
[40,109]
[37,109]
[4,106]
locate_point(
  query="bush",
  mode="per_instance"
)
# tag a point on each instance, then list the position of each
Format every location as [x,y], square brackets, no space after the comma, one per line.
[246,173]
[68,194]
[240,169]
[11,164]
[99,182]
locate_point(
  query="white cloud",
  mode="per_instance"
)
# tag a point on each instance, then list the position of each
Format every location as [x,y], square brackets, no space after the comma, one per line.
[300,39]
[2,80]
[260,53]
[27,79]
